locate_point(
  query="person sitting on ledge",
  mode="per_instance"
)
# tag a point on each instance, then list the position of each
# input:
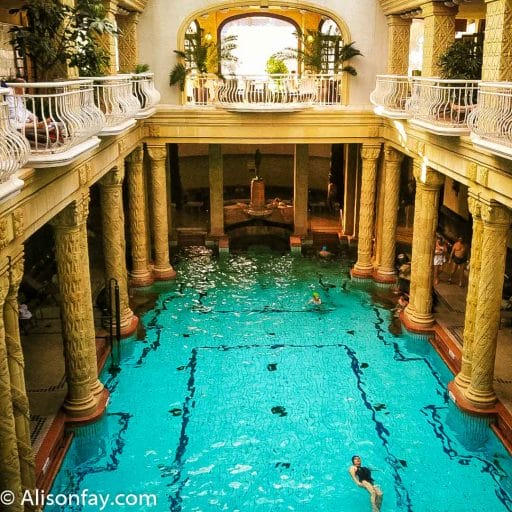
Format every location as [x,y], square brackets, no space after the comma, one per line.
[324,253]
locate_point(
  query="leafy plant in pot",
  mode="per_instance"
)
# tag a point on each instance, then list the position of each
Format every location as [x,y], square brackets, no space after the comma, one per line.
[202,56]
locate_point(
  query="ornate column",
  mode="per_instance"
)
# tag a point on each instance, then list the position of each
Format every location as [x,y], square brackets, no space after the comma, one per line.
[108,41]
[497,65]
[10,474]
[418,314]
[127,41]
[17,376]
[496,222]
[463,378]
[76,308]
[162,269]
[369,156]
[399,31]
[140,274]
[300,189]
[439,34]
[114,245]
[392,161]
[216,174]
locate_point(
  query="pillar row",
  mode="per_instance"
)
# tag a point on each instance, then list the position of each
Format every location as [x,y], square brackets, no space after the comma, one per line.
[76,308]
[428,184]
[140,274]
[300,189]
[392,161]
[369,157]
[162,269]
[216,177]
[114,244]
[496,222]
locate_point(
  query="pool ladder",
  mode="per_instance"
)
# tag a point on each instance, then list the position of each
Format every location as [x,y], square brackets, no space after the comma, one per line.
[114,320]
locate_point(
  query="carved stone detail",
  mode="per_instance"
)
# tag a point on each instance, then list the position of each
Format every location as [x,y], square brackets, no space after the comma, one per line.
[472,172]
[398,44]
[18,222]
[496,222]
[369,155]
[154,131]
[128,41]
[84,173]
[4,232]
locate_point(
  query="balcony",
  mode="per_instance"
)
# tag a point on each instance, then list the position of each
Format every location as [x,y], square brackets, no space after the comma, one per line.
[264,93]
[58,120]
[113,95]
[143,88]
[491,121]
[391,95]
[14,151]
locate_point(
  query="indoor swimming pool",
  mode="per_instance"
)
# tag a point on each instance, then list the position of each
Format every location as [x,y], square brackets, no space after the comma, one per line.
[244,396]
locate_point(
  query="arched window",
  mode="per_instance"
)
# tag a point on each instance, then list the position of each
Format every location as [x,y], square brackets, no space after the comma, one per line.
[191,34]
[331,37]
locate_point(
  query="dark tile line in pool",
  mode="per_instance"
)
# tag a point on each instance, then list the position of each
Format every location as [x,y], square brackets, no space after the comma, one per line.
[492,468]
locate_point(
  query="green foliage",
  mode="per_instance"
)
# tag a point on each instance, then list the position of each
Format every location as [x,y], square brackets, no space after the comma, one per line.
[312,52]
[203,55]
[56,35]
[276,66]
[462,61]
[141,68]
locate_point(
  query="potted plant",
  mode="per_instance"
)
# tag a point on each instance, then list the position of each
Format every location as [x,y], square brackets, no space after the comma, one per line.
[202,56]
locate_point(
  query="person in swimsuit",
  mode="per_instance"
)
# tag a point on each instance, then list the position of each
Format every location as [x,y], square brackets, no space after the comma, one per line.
[362,476]
[439,258]
[459,257]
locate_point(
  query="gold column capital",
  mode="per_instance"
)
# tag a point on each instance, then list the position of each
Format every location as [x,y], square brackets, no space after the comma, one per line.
[392,155]
[75,214]
[157,153]
[370,151]
[437,9]
[136,156]
[113,178]
[496,215]
[397,20]
[426,177]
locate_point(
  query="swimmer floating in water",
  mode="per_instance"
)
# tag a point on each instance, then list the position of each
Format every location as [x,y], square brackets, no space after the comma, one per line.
[362,476]
[315,299]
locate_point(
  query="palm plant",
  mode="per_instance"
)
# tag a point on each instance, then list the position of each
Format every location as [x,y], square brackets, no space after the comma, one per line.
[202,55]
[313,55]
[462,60]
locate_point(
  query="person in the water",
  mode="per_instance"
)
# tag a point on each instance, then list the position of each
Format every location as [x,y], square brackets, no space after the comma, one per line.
[315,299]
[362,476]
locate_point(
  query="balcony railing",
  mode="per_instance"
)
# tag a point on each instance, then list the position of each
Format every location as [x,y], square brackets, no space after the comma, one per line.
[58,119]
[14,150]
[264,92]
[442,106]
[113,95]
[491,121]
[144,90]
[391,95]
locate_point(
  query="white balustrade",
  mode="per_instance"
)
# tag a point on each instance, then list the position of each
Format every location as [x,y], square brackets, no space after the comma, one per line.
[113,95]
[58,119]
[390,96]
[144,90]
[491,121]
[14,150]
[442,106]
[276,92]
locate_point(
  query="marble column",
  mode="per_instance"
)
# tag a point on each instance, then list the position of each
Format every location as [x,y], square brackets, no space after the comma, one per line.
[76,308]
[300,189]
[162,269]
[140,274]
[428,184]
[17,377]
[392,160]
[463,378]
[496,222]
[369,157]
[497,64]
[399,31]
[10,472]
[439,34]
[128,41]
[114,244]
[216,176]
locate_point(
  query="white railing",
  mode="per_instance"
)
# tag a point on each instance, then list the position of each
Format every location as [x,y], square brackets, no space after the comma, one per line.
[55,117]
[113,95]
[390,96]
[442,106]
[14,150]
[260,92]
[491,121]
[144,90]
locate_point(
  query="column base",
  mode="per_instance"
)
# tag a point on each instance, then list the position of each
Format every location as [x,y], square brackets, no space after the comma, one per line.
[140,279]
[416,323]
[362,273]
[481,400]
[97,388]
[164,274]
[468,406]
[462,382]
[80,408]
[384,276]
[128,328]
[101,406]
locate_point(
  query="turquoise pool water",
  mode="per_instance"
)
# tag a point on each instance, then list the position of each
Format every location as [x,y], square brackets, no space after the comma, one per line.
[244,397]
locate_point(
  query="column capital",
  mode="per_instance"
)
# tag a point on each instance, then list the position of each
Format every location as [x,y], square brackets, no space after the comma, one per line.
[16,271]
[157,153]
[396,20]
[427,177]
[136,156]
[474,205]
[496,214]
[392,155]
[438,9]
[113,178]
[370,151]
[75,214]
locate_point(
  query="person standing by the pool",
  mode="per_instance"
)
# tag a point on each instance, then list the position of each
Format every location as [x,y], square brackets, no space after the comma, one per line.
[459,257]
[362,476]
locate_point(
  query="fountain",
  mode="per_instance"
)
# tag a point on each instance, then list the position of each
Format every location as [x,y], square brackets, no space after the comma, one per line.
[257,206]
